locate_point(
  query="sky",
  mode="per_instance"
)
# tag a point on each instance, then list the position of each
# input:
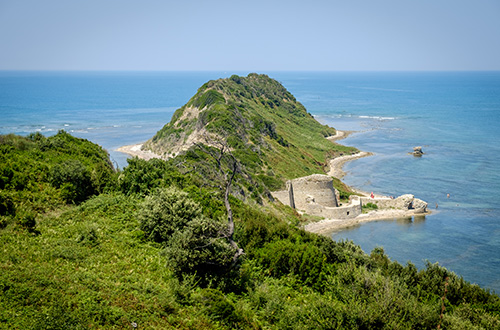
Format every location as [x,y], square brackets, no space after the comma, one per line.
[255,35]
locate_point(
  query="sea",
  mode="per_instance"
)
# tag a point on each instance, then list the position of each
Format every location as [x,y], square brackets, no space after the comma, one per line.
[453,116]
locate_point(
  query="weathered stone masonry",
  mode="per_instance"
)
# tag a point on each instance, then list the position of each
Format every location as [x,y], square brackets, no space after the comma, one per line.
[315,195]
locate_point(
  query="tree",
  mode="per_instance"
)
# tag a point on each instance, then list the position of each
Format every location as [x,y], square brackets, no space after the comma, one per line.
[193,242]
[222,155]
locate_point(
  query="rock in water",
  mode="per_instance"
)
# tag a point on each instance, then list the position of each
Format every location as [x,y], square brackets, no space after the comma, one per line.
[417,152]
[419,206]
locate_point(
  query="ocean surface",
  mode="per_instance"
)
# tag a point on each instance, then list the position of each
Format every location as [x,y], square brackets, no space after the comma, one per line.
[454,116]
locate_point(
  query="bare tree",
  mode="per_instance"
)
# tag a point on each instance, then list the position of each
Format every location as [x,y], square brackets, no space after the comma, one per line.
[223,152]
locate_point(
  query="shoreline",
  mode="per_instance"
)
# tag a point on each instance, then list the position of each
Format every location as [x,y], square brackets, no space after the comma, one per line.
[336,164]
[324,226]
[327,226]
[135,150]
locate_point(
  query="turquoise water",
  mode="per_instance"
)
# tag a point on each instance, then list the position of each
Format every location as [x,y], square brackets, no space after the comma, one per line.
[455,116]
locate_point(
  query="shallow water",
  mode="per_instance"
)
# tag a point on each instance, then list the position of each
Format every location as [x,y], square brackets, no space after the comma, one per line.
[454,116]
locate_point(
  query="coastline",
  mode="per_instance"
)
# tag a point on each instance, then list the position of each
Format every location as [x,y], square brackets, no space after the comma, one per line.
[337,163]
[327,226]
[324,226]
[135,150]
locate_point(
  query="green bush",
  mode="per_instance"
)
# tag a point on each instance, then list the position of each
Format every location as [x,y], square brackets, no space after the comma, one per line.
[142,177]
[207,99]
[166,211]
[73,178]
[218,307]
[201,247]
[369,206]
[26,219]
[6,204]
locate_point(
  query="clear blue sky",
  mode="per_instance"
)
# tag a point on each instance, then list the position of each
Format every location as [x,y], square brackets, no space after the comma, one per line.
[249,35]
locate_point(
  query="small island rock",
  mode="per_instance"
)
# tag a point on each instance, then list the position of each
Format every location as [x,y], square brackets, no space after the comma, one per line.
[417,152]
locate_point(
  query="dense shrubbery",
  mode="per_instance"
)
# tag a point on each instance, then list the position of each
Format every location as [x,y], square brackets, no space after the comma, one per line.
[38,174]
[148,246]
[141,177]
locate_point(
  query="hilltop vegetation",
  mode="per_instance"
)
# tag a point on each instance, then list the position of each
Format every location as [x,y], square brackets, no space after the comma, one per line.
[271,133]
[85,246]
[38,174]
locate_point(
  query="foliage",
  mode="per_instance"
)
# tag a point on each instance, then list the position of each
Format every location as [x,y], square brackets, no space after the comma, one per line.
[193,242]
[200,247]
[344,191]
[207,99]
[155,255]
[271,134]
[38,174]
[142,177]
[73,178]
[369,207]
[166,211]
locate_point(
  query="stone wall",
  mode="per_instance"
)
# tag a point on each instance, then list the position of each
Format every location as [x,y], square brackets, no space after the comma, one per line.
[352,210]
[315,195]
[314,188]
[403,202]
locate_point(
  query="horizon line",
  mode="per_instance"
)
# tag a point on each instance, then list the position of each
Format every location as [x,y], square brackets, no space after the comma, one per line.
[242,70]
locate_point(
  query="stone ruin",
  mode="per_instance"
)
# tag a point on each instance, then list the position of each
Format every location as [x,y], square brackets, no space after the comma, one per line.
[315,195]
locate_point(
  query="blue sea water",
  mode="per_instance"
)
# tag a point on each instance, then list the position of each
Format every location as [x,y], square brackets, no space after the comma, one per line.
[455,116]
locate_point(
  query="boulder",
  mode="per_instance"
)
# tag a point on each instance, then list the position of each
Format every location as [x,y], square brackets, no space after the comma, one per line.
[419,206]
[417,152]
[404,202]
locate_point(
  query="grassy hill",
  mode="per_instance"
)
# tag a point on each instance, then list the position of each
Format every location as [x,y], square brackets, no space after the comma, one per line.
[85,247]
[270,132]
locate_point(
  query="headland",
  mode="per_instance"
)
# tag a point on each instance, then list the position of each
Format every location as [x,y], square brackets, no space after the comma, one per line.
[338,216]
[315,195]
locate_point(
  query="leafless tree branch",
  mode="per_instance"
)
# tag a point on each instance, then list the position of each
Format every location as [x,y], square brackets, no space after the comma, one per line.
[223,150]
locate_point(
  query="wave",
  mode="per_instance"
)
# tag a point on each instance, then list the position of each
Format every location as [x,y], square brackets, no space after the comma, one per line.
[382,89]
[341,116]
[377,117]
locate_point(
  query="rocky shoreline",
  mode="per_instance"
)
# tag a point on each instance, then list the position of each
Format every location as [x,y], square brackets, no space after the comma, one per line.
[135,150]
[326,226]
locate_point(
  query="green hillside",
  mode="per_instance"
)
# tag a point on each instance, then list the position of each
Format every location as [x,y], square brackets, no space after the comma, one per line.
[268,129]
[83,246]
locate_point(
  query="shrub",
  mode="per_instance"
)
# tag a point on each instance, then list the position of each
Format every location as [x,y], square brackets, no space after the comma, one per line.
[74,180]
[200,247]
[142,177]
[370,206]
[166,211]
[27,220]
[218,307]
[6,204]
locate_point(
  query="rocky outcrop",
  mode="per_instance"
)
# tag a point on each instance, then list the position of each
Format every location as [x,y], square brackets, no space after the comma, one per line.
[417,152]
[405,202]
[419,206]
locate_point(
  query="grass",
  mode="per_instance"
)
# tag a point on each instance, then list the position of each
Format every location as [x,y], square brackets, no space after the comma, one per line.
[264,124]
[89,265]
[369,207]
